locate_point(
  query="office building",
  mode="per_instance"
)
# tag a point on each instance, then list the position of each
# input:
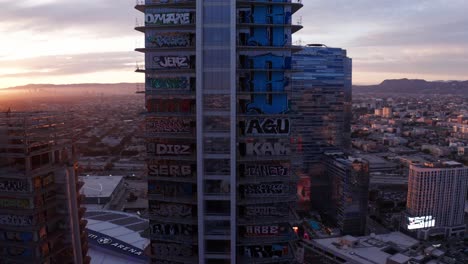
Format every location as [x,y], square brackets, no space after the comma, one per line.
[322,105]
[322,97]
[218,84]
[436,200]
[387,112]
[349,192]
[41,218]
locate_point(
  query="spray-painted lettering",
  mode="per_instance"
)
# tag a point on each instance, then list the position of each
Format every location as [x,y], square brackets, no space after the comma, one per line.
[267,126]
[10,185]
[170,170]
[265,171]
[267,149]
[172,62]
[172,250]
[168,18]
[171,210]
[17,220]
[167,125]
[169,150]
[15,203]
[167,83]
[169,40]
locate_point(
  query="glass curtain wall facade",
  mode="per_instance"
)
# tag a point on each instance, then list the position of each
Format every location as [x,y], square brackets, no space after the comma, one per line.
[349,192]
[218,84]
[322,95]
[322,100]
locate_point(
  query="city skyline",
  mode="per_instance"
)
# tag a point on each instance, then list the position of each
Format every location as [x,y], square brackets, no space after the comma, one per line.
[49,41]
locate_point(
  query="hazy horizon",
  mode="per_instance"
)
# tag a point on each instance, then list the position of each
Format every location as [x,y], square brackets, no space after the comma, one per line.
[67,42]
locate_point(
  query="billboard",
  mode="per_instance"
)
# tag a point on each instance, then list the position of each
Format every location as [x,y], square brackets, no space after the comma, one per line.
[420,222]
[174,18]
[167,125]
[268,126]
[303,192]
[14,185]
[264,149]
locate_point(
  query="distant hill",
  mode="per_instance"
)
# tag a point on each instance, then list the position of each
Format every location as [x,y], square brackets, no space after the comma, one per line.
[81,88]
[407,86]
[401,87]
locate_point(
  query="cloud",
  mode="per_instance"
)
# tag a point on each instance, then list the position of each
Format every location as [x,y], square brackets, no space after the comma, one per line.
[426,37]
[98,18]
[72,64]
[385,38]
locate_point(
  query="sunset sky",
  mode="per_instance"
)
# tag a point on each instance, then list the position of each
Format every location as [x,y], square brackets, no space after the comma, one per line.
[88,41]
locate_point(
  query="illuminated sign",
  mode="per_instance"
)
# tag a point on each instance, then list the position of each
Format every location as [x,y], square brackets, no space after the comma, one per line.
[167,125]
[181,83]
[169,39]
[11,185]
[15,203]
[264,170]
[170,170]
[264,149]
[170,210]
[420,222]
[280,126]
[168,149]
[17,220]
[168,18]
[113,244]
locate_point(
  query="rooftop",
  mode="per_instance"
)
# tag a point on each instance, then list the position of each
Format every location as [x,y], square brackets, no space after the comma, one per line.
[100,186]
[368,249]
[440,165]
[114,237]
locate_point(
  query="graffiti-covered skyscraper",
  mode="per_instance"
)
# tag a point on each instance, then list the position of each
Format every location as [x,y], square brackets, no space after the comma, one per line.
[218,80]
[41,219]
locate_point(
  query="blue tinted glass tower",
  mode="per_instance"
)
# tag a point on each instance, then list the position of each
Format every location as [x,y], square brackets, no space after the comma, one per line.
[218,84]
[322,100]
